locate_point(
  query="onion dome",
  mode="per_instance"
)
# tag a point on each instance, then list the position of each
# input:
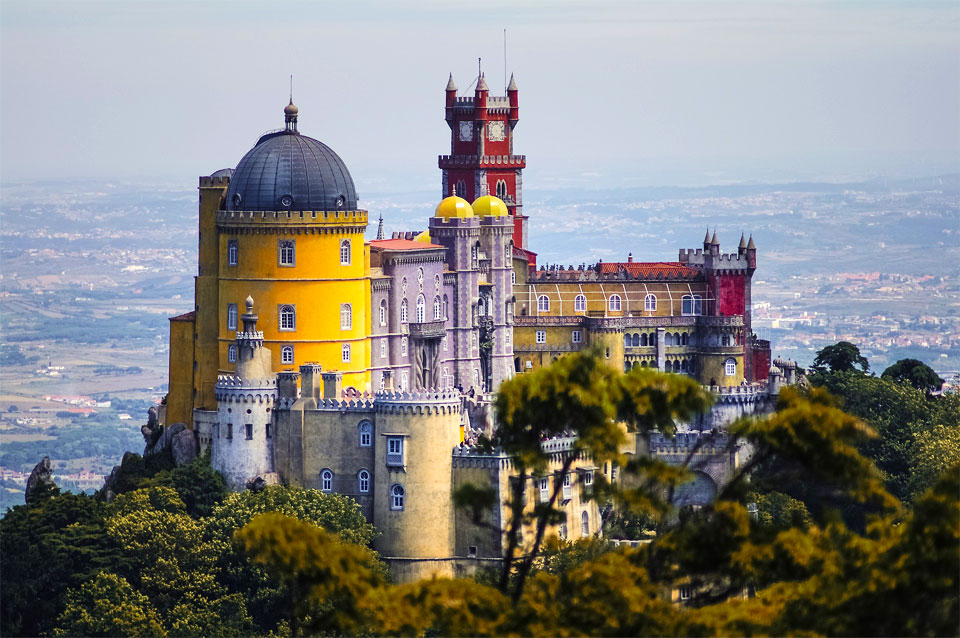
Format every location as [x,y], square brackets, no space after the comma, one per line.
[454,206]
[423,238]
[489,206]
[287,171]
[775,370]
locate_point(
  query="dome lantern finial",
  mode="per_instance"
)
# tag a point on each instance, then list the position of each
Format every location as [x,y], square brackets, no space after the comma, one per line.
[290,112]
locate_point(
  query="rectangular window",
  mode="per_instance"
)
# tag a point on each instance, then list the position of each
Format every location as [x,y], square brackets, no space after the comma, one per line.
[685,592]
[229,430]
[544,490]
[577,336]
[231,316]
[588,478]
[268,430]
[286,355]
[541,336]
[248,431]
[286,252]
[346,353]
[383,348]
[395,451]
[232,252]
[567,491]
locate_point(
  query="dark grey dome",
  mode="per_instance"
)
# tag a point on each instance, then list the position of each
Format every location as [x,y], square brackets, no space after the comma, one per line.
[289,171]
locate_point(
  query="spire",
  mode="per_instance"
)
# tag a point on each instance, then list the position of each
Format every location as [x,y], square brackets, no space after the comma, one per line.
[706,238]
[715,241]
[751,245]
[380,226]
[743,241]
[290,112]
[513,84]
[482,84]
[450,84]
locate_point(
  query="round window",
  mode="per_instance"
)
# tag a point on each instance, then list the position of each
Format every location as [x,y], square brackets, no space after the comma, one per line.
[237,199]
[340,201]
[286,201]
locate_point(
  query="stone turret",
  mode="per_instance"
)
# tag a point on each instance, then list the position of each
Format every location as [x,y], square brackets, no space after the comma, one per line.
[242,441]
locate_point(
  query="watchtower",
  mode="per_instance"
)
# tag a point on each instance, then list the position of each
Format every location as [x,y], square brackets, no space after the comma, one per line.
[481,160]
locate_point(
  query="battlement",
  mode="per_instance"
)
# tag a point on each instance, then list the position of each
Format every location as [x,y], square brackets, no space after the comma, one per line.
[211,181]
[228,381]
[739,393]
[231,389]
[250,336]
[483,161]
[338,217]
[696,257]
[685,442]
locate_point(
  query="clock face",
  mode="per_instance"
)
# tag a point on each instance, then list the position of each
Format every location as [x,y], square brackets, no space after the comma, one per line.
[466,131]
[496,132]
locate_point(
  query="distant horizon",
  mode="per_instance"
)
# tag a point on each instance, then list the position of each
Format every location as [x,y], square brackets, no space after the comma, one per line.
[643,92]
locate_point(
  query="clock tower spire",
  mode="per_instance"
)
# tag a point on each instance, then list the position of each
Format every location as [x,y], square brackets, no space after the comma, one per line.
[481,160]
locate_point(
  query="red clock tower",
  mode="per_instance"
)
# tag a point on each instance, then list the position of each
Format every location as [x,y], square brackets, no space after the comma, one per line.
[481,160]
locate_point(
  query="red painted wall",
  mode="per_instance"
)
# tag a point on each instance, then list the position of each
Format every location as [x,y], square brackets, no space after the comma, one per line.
[731,295]
[761,360]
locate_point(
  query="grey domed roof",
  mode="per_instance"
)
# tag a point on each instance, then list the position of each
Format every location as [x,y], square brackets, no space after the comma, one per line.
[289,171]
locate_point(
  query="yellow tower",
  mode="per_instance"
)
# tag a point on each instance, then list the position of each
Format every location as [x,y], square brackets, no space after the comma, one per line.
[283,227]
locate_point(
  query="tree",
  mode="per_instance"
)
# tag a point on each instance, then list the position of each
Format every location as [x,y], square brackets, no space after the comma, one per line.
[199,485]
[47,548]
[843,356]
[325,576]
[916,373]
[108,606]
[579,396]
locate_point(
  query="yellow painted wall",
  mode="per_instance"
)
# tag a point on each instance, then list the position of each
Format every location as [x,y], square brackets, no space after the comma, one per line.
[212,191]
[712,368]
[562,297]
[315,285]
[180,394]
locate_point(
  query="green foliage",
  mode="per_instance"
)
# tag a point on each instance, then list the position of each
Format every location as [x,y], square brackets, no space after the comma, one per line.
[108,606]
[624,523]
[326,577]
[559,556]
[899,413]
[47,548]
[199,486]
[916,373]
[779,512]
[842,356]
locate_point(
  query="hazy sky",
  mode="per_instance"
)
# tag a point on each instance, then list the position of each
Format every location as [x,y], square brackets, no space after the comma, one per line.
[610,92]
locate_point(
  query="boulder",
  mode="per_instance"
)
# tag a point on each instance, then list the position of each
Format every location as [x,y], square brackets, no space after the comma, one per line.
[40,484]
[183,446]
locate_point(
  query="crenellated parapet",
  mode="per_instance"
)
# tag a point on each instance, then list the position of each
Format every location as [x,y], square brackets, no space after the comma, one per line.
[739,394]
[301,222]
[686,442]
[427,402]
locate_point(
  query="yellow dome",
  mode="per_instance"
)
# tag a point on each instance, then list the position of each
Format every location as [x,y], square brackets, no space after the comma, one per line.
[423,238]
[489,205]
[454,206]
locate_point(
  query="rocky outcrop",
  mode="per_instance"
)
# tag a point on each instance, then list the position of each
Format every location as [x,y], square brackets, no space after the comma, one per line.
[176,440]
[260,483]
[40,485]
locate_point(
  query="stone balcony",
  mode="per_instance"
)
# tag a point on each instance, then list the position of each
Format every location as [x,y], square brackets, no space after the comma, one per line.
[427,329]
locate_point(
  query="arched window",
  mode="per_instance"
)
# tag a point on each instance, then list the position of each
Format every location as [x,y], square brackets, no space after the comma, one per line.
[286,355]
[232,353]
[692,305]
[513,277]
[502,189]
[383,312]
[403,311]
[363,481]
[730,367]
[326,480]
[668,339]
[346,316]
[346,353]
[345,252]
[584,524]
[366,433]
[288,318]
[437,309]
[580,304]
[543,303]
[231,316]
[403,347]
[683,339]
[445,308]
[383,348]
[461,189]
[650,303]
[614,303]
[421,308]
[396,497]
[475,254]
[684,366]
[627,341]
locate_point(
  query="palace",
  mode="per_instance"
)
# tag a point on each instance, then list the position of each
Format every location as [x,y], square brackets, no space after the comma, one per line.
[367,368]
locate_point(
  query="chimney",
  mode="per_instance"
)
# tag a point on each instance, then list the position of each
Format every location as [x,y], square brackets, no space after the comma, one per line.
[287,384]
[310,381]
[332,381]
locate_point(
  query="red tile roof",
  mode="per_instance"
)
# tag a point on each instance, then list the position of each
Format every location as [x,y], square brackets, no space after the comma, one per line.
[401,244]
[649,269]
